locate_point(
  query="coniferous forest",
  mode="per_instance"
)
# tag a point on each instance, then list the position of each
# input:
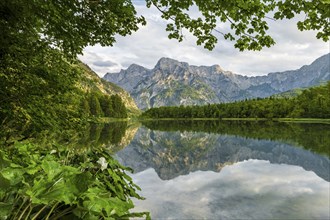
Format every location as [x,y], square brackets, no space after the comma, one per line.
[312,103]
[99,105]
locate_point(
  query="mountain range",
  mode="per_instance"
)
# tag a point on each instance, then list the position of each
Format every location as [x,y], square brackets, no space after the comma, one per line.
[173,83]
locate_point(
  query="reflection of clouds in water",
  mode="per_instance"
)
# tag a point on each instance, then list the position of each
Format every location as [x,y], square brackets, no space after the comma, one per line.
[251,190]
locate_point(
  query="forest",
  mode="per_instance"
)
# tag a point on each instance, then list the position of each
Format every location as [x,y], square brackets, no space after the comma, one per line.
[312,103]
[99,105]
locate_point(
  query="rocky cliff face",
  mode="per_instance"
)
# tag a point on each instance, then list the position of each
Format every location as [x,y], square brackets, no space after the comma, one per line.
[306,76]
[172,82]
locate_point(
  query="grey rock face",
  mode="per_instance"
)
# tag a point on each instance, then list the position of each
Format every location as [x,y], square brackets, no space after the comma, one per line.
[173,83]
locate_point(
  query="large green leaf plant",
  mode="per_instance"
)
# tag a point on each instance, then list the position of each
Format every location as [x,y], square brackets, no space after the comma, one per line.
[61,182]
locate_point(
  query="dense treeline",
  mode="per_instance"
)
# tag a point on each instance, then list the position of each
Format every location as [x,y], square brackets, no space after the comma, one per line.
[312,103]
[100,105]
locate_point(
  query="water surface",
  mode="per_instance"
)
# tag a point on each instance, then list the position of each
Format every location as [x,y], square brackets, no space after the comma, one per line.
[231,170]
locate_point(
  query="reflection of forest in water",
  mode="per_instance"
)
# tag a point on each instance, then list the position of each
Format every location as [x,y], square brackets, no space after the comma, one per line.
[176,148]
[109,135]
[311,136]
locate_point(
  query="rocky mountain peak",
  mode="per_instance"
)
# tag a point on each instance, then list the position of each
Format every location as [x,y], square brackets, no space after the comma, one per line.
[216,68]
[135,68]
[325,59]
[166,63]
[172,83]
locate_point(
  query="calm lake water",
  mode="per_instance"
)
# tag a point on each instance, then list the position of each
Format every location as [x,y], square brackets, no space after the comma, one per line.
[229,170]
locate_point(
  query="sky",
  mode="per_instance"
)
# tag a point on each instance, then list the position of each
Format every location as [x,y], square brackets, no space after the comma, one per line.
[145,47]
[253,189]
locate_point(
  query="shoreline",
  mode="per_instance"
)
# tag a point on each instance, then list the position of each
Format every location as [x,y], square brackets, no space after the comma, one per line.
[295,120]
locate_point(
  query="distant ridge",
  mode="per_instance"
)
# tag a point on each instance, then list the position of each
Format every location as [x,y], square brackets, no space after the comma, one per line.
[173,83]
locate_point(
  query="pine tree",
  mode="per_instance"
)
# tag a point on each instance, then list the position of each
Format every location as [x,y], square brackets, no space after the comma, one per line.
[118,107]
[95,106]
[106,106]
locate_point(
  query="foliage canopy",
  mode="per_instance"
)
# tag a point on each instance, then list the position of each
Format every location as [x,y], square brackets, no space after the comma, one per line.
[72,25]
[248,19]
[67,25]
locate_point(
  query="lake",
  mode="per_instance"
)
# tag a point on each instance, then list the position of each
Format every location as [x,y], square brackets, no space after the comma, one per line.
[229,169]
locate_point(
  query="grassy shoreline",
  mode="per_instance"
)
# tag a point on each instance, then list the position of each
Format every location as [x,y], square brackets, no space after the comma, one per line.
[305,120]
[295,120]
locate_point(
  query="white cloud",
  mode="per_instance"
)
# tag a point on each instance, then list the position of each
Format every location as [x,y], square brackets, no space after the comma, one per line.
[145,47]
[251,189]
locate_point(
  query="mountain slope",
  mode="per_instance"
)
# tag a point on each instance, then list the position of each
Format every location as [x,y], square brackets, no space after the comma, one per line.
[307,76]
[90,82]
[172,82]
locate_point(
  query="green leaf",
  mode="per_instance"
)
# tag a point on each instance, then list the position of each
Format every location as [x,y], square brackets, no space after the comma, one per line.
[13,175]
[61,191]
[51,168]
[4,162]
[98,201]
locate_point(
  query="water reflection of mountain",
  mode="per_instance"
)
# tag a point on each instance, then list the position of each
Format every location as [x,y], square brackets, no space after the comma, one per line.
[311,136]
[178,153]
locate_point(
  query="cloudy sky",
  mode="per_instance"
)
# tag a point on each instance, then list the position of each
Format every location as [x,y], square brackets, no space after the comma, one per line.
[252,189]
[145,47]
